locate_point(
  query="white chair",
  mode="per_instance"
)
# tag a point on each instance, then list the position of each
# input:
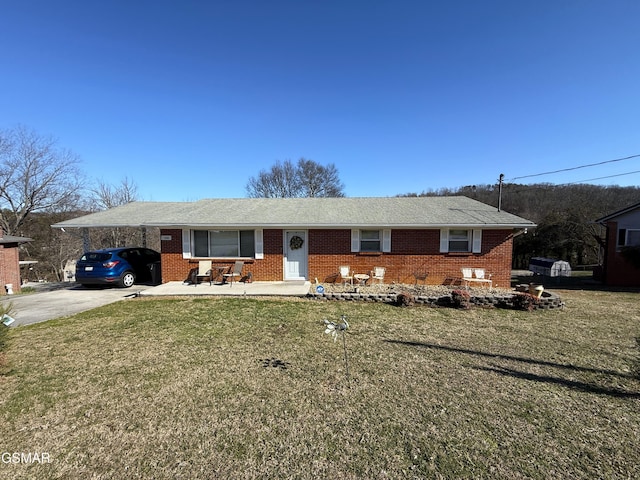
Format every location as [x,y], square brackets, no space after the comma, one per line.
[378,274]
[480,276]
[474,275]
[345,273]
[467,273]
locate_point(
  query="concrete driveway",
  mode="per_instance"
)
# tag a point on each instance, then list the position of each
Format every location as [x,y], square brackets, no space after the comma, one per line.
[56,300]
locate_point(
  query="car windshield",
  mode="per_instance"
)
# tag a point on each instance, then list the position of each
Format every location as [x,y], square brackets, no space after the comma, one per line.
[95,257]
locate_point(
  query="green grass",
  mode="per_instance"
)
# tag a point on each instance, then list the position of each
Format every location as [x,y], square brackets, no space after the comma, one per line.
[247,388]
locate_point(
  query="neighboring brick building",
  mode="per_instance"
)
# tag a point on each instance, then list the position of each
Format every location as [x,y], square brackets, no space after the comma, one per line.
[309,238]
[10,262]
[621,265]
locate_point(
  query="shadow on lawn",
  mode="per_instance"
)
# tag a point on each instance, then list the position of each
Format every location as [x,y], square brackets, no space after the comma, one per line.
[532,377]
[585,387]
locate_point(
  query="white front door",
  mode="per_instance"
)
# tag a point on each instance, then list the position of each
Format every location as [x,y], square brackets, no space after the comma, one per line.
[295,255]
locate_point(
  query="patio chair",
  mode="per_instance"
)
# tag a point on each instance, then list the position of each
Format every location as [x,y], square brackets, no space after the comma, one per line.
[346,274]
[474,275]
[480,276]
[235,272]
[204,271]
[467,274]
[378,274]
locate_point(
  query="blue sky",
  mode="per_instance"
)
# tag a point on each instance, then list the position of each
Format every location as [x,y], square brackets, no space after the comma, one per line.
[191,98]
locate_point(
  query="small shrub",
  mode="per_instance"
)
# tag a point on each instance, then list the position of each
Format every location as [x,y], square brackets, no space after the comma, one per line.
[524,301]
[405,299]
[461,299]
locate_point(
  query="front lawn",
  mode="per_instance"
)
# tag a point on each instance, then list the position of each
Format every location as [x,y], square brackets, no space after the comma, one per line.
[250,388]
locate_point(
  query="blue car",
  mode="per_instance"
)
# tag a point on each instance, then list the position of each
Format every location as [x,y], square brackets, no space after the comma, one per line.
[118,266]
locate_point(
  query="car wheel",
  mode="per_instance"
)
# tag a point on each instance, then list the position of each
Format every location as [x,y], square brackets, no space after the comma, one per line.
[127,279]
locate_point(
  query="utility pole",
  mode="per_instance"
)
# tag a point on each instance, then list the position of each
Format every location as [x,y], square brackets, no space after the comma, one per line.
[500,180]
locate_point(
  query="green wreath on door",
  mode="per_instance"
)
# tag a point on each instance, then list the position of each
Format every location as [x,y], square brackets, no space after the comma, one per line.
[296,242]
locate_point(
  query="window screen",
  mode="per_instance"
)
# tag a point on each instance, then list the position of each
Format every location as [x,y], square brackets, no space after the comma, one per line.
[224,243]
[459,241]
[370,241]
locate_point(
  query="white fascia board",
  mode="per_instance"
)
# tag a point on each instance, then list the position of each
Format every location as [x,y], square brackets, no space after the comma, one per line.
[101,225]
[423,226]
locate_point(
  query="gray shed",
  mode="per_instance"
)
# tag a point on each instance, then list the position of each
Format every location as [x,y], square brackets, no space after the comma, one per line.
[549,267]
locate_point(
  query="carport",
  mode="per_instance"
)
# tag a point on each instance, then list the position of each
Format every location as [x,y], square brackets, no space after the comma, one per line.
[136,218]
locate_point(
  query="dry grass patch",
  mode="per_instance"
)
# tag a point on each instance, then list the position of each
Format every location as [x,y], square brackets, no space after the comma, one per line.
[248,388]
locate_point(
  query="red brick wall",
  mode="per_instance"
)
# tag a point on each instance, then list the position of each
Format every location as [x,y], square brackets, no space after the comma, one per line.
[413,251]
[271,267]
[617,270]
[9,268]
[176,268]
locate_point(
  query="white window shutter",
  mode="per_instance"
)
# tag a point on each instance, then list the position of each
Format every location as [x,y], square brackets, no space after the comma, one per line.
[444,240]
[355,240]
[477,241]
[386,240]
[259,244]
[186,243]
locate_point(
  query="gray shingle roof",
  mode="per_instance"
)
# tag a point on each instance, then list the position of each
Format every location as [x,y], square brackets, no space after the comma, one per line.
[347,212]
[618,213]
[10,239]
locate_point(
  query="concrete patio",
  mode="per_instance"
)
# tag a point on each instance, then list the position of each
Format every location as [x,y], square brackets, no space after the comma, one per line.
[283,289]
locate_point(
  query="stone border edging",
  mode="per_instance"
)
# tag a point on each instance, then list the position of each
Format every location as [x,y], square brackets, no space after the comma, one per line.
[548,301]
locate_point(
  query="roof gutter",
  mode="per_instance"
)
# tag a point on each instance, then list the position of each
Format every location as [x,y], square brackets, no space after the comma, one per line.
[494,226]
[347,226]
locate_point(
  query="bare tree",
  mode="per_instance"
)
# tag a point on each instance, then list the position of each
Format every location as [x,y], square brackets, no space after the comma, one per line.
[35,176]
[278,182]
[107,196]
[305,179]
[52,248]
[316,180]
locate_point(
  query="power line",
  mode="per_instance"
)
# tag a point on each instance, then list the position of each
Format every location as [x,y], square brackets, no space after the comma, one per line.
[515,188]
[601,178]
[576,168]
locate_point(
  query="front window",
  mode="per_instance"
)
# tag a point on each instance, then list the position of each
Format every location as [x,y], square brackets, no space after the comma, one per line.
[459,240]
[223,243]
[370,241]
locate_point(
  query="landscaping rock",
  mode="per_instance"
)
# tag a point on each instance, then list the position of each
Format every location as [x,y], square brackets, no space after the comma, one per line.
[433,295]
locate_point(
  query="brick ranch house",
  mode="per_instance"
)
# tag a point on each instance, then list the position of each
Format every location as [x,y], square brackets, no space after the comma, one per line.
[10,262]
[621,266]
[309,238]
